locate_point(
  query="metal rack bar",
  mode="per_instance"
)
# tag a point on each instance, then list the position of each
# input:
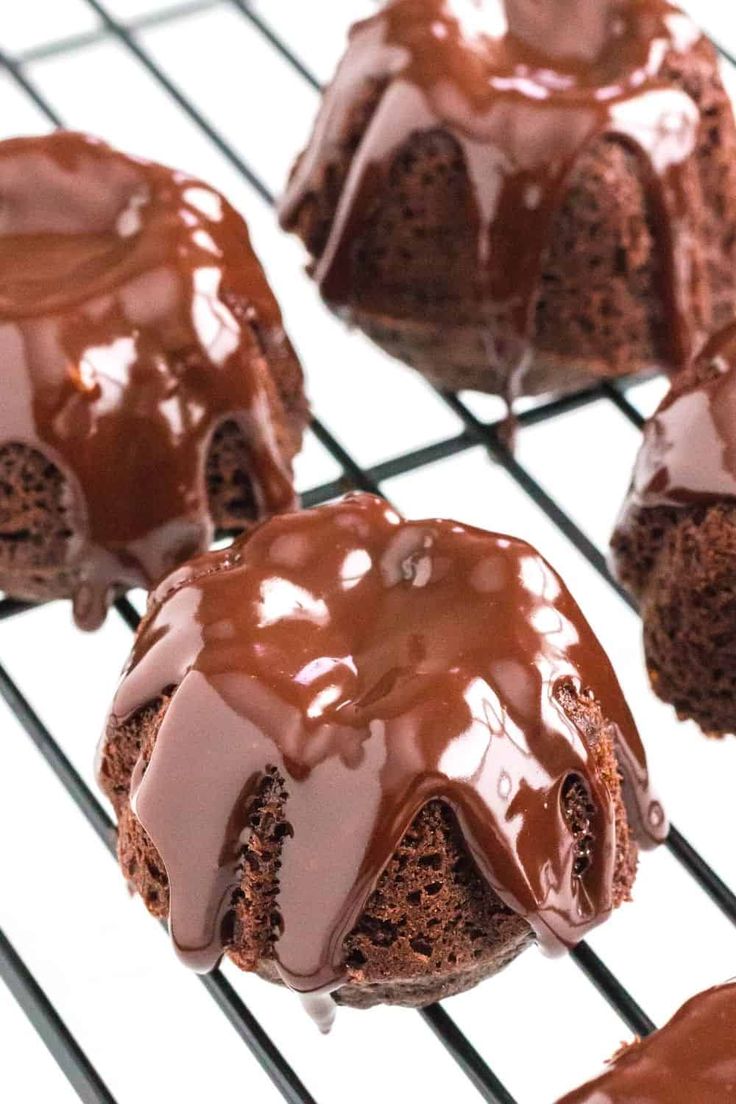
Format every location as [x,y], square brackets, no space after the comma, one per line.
[10,606]
[489,436]
[356,476]
[128,612]
[69,43]
[466,1056]
[611,988]
[280,47]
[65,1049]
[727,55]
[120,31]
[698,869]
[62,767]
[619,400]
[23,81]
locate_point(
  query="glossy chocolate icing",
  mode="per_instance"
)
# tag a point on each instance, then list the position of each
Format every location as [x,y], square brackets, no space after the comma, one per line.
[523,88]
[688,455]
[692,1060]
[376,664]
[127,292]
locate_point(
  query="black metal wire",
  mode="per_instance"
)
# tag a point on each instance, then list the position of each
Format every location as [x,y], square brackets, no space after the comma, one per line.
[466,1056]
[611,988]
[16,72]
[489,436]
[279,46]
[475,433]
[706,878]
[62,767]
[620,401]
[128,612]
[70,43]
[67,1052]
[10,606]
[357,477]
[118,29]
[250,1031]
[255,1038]
[727,55]
[441,450]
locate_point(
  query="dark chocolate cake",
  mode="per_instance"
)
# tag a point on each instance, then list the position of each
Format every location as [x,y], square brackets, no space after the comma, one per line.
[373,758]
[149,393]
[674,546]
[521,197]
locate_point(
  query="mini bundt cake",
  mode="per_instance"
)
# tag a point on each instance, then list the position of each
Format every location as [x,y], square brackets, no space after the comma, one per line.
[373,758]
[674,545]
[148,392]
[692,1060]
[519,197]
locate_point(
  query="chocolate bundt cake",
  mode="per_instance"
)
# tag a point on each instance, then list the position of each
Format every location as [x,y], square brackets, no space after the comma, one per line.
[674,545]
[692,1060]
[520,197]
[148,393]
[373,758]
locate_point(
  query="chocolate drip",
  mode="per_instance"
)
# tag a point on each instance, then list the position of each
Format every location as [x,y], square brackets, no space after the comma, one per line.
[690,1061]
[523,88]
[374,665]
[126,295]
[688,455]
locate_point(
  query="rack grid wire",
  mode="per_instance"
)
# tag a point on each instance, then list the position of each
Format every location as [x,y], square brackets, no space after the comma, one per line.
[474,431]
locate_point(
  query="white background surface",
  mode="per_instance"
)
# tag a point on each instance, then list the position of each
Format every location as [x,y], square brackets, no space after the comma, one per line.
[145,1022]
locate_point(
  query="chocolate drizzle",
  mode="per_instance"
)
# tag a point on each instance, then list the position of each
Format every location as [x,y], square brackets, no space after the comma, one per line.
[523,88]
[692,1060]
[375,665]
[688,455]
[127,292]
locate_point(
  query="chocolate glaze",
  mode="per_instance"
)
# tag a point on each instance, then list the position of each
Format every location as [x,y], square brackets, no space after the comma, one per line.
[377,665]
[126,295]
[688,455]
[690,1061]
[523,88]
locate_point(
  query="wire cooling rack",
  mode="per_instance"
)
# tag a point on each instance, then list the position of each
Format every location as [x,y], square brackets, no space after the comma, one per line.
[226,89]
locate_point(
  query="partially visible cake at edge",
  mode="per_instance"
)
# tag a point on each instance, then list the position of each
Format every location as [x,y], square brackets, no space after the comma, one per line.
[674,545]
[148,392]
[691,1060]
